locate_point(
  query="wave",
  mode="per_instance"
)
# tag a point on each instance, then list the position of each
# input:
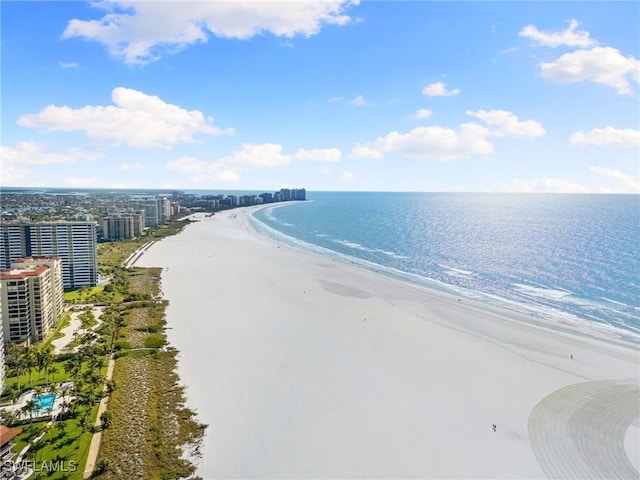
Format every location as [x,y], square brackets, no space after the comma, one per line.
[357,246]
[455,272]
[547,304]
[542,292]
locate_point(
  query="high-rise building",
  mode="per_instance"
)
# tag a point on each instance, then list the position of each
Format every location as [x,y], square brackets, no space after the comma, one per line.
[31,296]
[151,208]
[74,242]
[121,226]
[164,207]
[13,242]
[2,370]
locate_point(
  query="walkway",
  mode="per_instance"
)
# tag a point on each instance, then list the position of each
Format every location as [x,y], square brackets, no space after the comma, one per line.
[97,436]
[60,343]
[133,258]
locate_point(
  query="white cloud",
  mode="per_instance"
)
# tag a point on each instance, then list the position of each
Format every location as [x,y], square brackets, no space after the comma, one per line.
[68,64]
[544,185]
[12,175]
[624,183]
[348,177]
[201,171]
[607,136]
[133,166]
[604,65]
[250,157]
[422,113]
[440,143]
[569,37]
[432,142]
[505,123]
[188,165]
[132,185]
[358,101]
[81,182]
[366,151]
[253,156]
[318,155]
[137,119]
[32,153]
[139,32]
[439,89]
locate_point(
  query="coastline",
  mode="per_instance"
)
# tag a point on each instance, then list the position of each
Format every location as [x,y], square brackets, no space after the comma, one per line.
[319,368]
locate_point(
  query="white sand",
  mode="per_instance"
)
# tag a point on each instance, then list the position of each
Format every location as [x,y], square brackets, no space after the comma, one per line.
[306,367]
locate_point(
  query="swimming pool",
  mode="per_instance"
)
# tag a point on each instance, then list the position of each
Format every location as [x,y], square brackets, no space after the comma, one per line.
[43,402]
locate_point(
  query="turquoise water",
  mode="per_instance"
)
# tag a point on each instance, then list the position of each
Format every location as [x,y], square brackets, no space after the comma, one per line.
[564,257]
[44,402]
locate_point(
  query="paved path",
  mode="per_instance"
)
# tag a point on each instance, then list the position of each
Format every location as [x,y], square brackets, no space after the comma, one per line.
[97,436]
[59,344]
[578,431]
[133,258]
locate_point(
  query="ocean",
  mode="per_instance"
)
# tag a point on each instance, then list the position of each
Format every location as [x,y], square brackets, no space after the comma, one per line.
[564,258]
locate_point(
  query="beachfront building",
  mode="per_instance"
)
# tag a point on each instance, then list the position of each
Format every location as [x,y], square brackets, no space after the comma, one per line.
[75,242]
[156,210]
[164,209]
[2,366]
[7,442]
[121,226]
[32,297]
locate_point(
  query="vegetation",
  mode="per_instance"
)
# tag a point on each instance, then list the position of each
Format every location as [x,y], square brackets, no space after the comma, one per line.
[68,437]
[150,423]
[147,425]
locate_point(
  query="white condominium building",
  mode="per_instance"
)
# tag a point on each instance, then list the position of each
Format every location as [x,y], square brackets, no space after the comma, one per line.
[32,296]
[74,242]
[2,368]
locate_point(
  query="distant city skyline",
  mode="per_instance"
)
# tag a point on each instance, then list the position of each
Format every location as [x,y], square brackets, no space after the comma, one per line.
[334,95]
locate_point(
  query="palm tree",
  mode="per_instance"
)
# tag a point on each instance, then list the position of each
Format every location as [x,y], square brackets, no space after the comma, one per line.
[44,359]
[51,370]
[65,407]
[20,369]
[31,362]
[12,353]
[28,408]
[62,427]
[38,390]
[22,412]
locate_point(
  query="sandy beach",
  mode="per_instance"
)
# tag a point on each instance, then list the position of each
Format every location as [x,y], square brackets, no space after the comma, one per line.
[307,367]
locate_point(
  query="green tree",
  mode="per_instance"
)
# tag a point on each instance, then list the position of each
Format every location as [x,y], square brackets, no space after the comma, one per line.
[105,419]
[30,362]
[28,409]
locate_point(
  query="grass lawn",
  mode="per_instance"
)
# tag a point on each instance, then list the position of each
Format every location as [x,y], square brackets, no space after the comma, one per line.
[69,446]
[39,378]
[82,295]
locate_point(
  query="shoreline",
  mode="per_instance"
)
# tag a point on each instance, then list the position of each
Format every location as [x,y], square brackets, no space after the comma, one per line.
[321,368]
[551,318]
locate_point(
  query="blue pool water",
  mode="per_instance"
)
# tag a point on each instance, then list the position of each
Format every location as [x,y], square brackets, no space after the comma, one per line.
[44,402]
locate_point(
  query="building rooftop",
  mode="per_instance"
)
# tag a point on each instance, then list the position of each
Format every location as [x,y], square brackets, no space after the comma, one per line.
[21,274]
[7,434]
[35,257]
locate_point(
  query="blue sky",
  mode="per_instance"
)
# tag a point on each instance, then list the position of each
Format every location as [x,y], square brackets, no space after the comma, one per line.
[329,95]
